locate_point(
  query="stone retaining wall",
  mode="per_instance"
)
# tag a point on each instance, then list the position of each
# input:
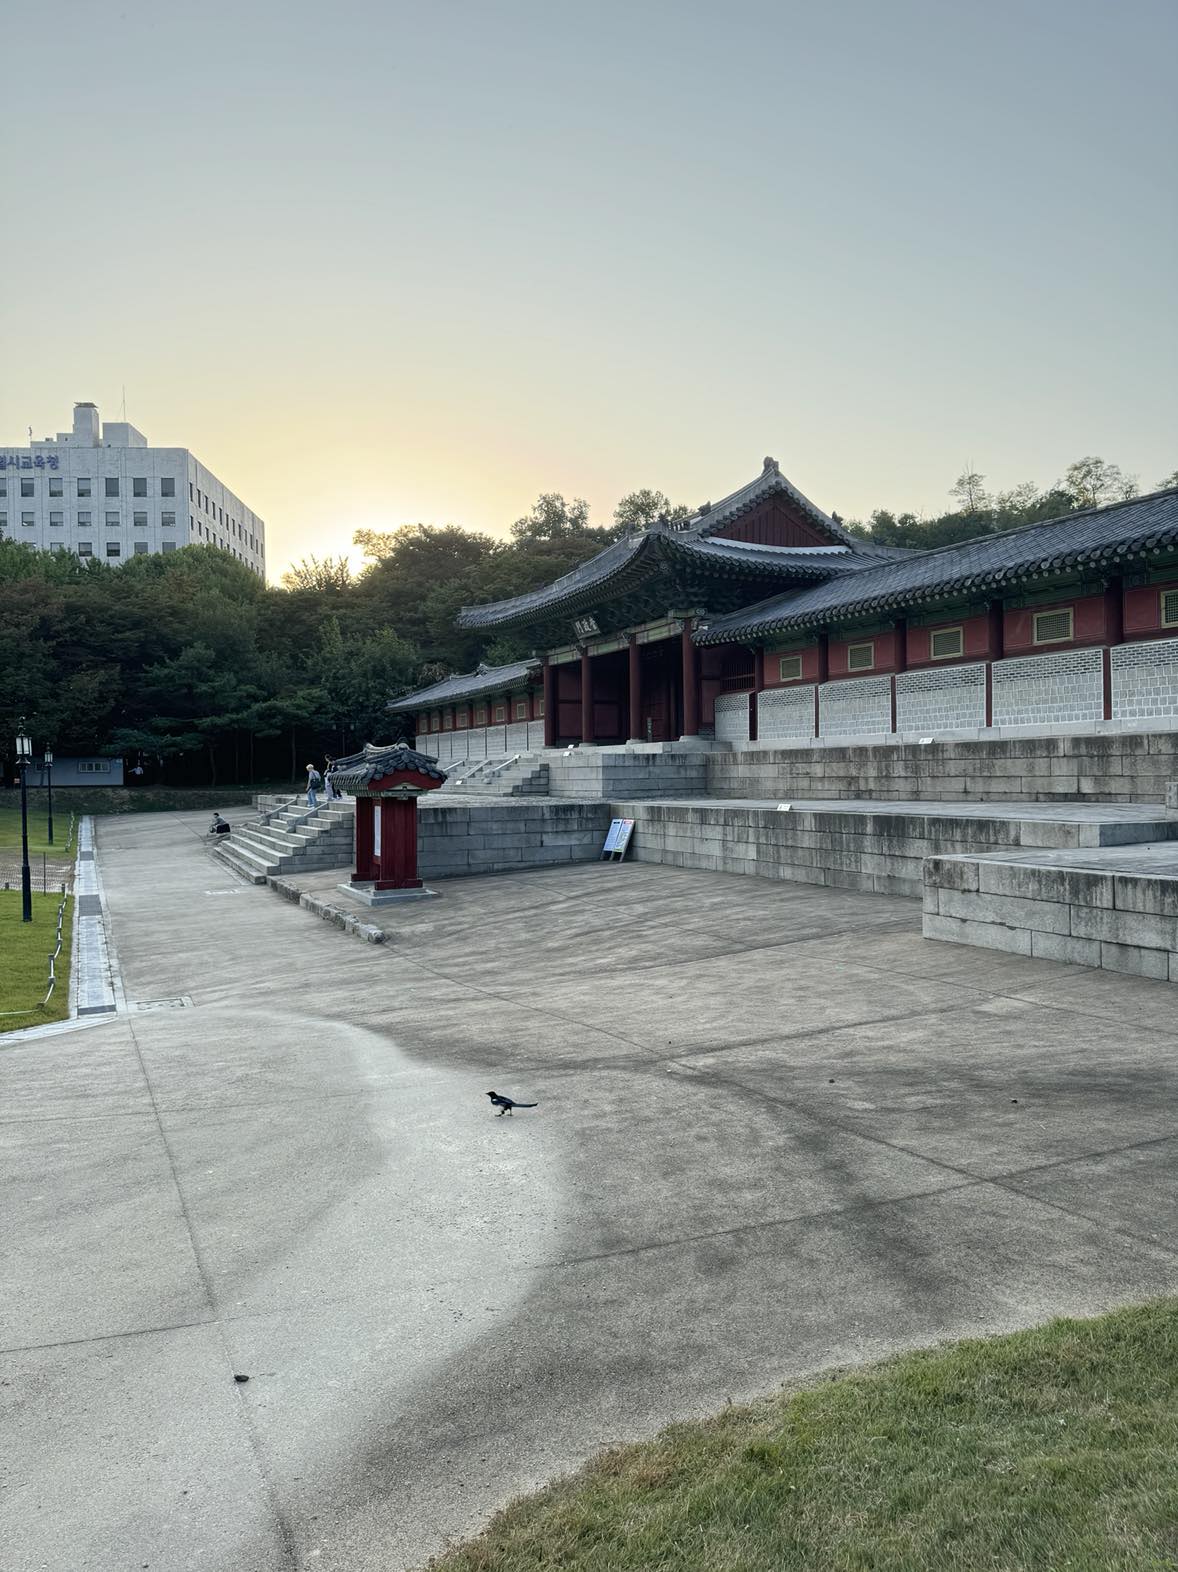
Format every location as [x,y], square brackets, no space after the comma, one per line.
[1119,922]
[505,835]
[879,852]
[1108,766]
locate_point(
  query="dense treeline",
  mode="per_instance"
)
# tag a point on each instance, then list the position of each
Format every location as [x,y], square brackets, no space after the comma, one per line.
[190,664]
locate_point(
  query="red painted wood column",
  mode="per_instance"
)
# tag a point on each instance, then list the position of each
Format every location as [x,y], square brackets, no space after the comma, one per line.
[398,844]
[1114,633]
[690,683]
[549,704]
[821,675]
[586,697]
[635,667]
[900,647]
[365,840]
[996,626]
[758,685]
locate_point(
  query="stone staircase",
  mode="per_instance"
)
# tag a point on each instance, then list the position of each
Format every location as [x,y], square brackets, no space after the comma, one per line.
[509,775]
[287,835]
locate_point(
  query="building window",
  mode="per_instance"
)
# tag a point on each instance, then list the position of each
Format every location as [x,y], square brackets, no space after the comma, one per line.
[500,712]
[3,520]
[27,520]
[84,486]
[168,545]
[138,485]
[861,657]
[521,709]
[1052,627]
[461,719]
[789,668]
[84,518]
[945,643]
[93,766]
[140,548]
[1169,608]
[111,486]
[139,520]
[3,485]
[26,486]
[112,521]
[539,701]
[191,498]
[113,549]
[56,519]
[57,486]
[168,486]
[480,715]
[85,549]
[447,721]
[168,520]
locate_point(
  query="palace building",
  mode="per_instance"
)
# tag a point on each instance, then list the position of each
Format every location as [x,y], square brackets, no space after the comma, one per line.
[761,620]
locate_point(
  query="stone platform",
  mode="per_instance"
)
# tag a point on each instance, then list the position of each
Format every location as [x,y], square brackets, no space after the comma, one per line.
[870,845]
[1109,906]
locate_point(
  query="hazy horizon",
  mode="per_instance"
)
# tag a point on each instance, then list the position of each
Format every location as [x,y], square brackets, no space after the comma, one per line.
[390,264]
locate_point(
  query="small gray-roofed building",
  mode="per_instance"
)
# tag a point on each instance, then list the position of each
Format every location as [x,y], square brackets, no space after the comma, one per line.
[375,761]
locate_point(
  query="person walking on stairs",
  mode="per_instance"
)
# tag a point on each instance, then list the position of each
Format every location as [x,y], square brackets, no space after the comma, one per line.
[314,781]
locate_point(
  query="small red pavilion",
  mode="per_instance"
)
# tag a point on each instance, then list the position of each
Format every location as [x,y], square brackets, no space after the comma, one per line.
[386,845]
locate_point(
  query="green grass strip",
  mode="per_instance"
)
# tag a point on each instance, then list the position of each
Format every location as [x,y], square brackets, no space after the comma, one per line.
[1054,1450]
[24,961]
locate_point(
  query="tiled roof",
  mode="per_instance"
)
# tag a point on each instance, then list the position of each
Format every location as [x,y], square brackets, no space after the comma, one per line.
[627,562]
[358,769]
[487,679]
[1101,538]
[714,515]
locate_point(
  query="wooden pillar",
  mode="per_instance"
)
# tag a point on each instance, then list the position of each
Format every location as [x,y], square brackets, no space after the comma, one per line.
[549,704]
[586,697]
[398,844]
[996,629]
[758,685]
[1114,633]
[690,683]
[821,675]
[900,659]
[365,841]
[635,660]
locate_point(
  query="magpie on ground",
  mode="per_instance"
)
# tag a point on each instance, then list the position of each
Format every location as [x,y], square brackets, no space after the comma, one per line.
[506,1104]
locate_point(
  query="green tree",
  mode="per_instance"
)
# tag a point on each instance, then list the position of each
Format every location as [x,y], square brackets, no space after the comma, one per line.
[1091,483]
[639,509]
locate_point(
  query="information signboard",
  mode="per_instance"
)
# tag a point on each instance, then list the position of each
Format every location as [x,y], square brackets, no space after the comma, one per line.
[617,840]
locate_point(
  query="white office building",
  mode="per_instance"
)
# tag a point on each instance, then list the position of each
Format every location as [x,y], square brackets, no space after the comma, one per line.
[103,492]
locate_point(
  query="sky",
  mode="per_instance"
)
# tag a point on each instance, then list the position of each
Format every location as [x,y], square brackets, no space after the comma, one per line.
[379,263]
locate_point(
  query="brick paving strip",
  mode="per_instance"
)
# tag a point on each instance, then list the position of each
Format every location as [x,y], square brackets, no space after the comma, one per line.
[95,987]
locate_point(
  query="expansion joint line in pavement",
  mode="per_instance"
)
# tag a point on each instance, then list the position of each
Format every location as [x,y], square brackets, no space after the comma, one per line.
[861,1207]
[999,1181]
[282,1522]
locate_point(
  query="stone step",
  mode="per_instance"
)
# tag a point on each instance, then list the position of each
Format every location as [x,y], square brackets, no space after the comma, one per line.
[243,860]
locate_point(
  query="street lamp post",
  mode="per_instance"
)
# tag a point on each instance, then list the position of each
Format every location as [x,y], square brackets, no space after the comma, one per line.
[49,783]
[24,754]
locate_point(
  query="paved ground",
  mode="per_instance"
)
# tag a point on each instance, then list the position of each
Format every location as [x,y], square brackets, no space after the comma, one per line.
[777,1131]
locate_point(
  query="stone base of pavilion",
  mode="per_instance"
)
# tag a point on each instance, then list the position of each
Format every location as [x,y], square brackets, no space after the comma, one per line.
[371,894]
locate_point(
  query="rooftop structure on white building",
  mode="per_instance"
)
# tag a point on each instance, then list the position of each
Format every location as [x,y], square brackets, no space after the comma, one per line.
[100,491]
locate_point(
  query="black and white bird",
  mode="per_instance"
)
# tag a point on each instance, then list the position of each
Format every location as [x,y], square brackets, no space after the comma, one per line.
[506,1104]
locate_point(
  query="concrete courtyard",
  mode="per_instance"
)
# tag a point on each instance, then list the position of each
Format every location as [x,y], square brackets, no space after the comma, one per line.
[778,1131]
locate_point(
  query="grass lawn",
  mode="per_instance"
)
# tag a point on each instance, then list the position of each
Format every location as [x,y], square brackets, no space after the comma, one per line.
[24,961]
[10,830]
[1055,1449]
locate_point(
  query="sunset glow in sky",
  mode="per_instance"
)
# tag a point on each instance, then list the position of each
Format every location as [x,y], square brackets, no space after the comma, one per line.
[379,263]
